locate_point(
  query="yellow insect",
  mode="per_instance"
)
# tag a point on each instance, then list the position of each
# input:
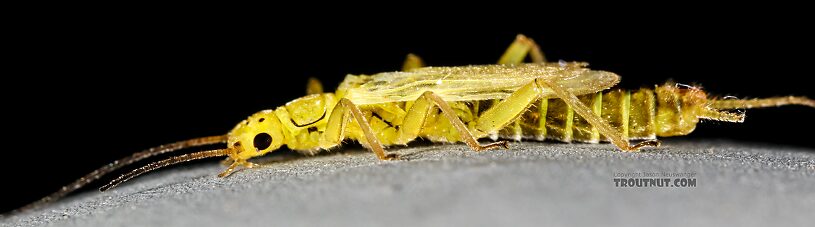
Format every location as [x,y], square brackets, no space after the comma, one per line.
[561,101]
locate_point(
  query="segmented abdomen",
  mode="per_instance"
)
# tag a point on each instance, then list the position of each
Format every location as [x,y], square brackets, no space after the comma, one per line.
[630,112]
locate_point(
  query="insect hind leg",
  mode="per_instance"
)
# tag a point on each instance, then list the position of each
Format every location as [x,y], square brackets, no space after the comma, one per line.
[519,49]
[509,109]
[616,137]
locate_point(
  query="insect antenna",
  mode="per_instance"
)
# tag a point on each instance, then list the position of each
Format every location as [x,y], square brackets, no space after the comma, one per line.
[164,163]
[729,104]
[96,174]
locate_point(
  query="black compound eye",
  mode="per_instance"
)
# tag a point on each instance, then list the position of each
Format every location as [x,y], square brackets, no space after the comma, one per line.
[262,141]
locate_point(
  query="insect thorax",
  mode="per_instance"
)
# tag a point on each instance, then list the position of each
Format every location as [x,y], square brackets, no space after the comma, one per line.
[303,120]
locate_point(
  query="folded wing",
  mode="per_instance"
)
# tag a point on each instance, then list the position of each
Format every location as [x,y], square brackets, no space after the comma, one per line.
[480,82]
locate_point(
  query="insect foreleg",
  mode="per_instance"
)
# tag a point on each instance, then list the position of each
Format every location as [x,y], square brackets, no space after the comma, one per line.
[335,129]
[519,49]
[229,170]
[416,116]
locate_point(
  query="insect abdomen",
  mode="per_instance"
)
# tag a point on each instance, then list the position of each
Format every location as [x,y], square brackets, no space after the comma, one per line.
[630,112]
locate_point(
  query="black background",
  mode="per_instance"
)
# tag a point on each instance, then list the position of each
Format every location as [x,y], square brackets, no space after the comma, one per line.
[87,91]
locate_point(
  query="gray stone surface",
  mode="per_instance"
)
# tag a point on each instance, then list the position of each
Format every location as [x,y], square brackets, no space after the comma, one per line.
[531,184]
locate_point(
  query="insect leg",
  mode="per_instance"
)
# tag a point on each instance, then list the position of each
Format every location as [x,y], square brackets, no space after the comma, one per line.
[416,116]
[515,54]
[335,129]
[509,109]
[581,109]
[314,86]
[412,62]
[517,51]
[236,163]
